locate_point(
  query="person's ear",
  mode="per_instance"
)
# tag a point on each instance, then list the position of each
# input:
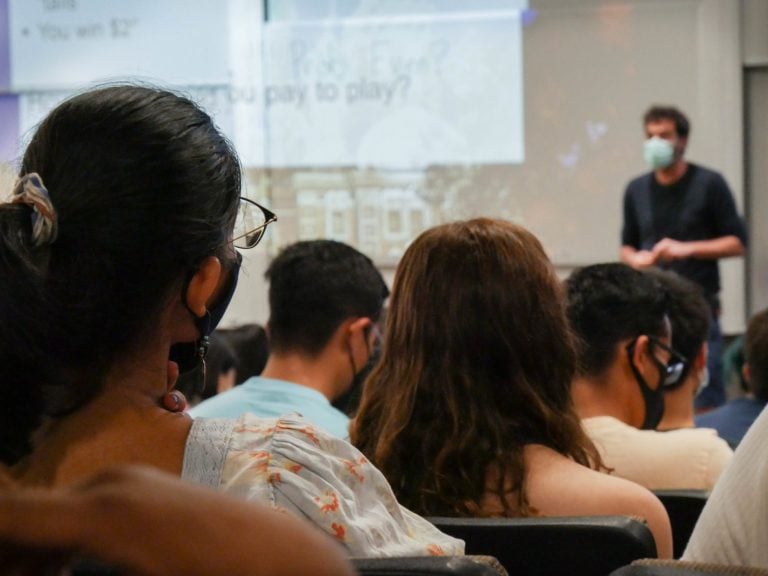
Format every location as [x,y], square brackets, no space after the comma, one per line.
[357,329]
[357,339]
[641,358]
[747,373]
[700,360]
[640,349]
[203,285]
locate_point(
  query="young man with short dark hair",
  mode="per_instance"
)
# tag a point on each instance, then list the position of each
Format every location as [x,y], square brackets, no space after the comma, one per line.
[325,299]
[620,316]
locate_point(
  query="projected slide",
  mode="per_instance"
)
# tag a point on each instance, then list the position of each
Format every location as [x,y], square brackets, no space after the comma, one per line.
[65,44]
[395,90]
[399,92]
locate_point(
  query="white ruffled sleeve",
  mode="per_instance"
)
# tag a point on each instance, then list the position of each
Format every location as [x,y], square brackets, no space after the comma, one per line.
[301,469]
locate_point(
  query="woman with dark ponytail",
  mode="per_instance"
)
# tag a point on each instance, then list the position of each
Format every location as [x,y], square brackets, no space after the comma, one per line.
[123,193]
[117,253]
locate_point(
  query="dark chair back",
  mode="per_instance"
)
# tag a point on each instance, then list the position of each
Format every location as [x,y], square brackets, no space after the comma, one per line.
[404,566]
[429,566]
[683,508]
[95,568]
[555,546]
[679,568]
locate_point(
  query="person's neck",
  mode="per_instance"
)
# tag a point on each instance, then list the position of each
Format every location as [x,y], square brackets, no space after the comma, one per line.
[597,396]
[123,424]
[672,173]
[678,406]
[675,421]
[318,372]
[678,413]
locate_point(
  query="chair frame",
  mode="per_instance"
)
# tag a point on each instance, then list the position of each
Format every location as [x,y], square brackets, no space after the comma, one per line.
[555,546]
[683,508]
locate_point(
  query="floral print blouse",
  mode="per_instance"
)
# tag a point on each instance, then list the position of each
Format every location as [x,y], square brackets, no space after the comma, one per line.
[293,466]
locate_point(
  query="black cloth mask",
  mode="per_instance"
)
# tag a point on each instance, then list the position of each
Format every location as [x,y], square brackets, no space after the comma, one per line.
[189,355]
[653,399]
[654,403]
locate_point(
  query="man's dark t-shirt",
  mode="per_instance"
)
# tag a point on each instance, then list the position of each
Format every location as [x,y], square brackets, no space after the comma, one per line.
[699,206]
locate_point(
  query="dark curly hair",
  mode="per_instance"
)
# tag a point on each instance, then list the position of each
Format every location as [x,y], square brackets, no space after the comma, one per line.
[657,113]
[609,303]
[689,316]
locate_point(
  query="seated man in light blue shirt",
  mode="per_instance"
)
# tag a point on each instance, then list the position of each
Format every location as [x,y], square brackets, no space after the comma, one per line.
[325,299]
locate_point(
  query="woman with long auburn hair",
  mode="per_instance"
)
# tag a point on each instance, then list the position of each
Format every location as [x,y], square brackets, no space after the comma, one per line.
[468,412]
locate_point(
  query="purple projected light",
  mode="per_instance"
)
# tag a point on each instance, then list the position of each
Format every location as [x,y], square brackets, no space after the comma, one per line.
[5,48]
[9,126]
[529,16]
[9,103]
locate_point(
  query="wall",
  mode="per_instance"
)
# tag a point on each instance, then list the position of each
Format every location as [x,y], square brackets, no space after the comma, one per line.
[591,69]
[755,55]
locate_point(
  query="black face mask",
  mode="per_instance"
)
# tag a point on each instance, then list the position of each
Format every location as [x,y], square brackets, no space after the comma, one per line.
[654,403]
[653,399]
[189,355]
[350,400]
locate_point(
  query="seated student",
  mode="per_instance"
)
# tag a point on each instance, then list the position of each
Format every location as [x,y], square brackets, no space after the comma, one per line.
[620,316]
[117,252]
[219,375]
[733,527]
[733,364]
[324,299]
[689,318]
[145,522]
[468,412]
[249,343]
[734,418]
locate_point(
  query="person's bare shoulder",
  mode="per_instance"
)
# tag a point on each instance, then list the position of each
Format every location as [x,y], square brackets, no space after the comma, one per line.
[558,486]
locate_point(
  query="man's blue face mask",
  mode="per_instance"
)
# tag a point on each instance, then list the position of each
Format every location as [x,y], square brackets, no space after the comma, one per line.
[658,153]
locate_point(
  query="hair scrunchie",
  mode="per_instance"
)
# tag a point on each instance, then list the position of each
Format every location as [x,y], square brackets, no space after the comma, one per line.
[29,190]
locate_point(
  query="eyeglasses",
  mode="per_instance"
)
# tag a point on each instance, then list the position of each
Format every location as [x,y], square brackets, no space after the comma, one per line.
[673,370]
[251,223]
[675,366]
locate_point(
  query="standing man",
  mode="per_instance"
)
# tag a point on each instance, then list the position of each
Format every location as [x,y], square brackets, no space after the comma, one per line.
[682,217]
